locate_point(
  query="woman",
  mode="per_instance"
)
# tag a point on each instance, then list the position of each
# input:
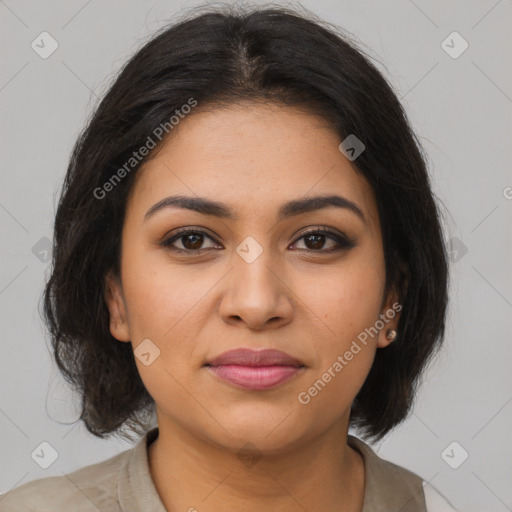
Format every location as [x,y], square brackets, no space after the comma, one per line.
[247,245]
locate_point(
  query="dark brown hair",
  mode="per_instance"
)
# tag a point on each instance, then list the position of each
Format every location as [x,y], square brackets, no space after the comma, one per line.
[219,56]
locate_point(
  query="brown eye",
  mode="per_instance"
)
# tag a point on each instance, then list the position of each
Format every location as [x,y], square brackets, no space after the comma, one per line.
[190,240]
[315,241]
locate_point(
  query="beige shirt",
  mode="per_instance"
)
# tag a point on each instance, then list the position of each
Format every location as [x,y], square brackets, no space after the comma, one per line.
[123,483]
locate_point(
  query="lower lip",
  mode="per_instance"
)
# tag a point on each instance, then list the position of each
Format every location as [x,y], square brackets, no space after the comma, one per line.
[255,377]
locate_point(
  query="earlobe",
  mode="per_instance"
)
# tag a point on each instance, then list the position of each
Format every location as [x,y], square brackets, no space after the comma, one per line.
[117,308]
[389,333]
[389,336]
[390,315]
[393,307]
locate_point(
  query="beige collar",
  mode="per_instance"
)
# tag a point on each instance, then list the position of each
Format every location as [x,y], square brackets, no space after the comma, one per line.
[388,487]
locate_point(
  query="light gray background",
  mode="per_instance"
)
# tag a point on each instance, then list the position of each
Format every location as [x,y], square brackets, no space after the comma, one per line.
[461,109]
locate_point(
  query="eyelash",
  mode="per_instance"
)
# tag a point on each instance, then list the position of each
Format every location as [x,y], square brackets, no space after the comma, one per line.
[343,242]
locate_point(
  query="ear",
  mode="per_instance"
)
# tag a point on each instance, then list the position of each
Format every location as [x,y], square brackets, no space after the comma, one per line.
[392,306]
[117,308]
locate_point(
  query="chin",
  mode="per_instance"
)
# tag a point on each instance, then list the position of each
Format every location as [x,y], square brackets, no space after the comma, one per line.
[270,431]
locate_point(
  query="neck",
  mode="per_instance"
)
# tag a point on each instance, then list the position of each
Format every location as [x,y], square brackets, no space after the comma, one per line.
[191,474]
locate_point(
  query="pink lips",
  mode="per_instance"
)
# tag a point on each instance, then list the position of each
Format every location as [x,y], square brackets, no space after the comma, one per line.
[257,370]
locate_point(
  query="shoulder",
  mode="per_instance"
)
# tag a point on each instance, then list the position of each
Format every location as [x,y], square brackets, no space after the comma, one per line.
[435,501]
[389,486]
[87,489]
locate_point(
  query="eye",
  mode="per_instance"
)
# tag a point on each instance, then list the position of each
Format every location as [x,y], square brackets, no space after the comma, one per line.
[192,240]
[315,240]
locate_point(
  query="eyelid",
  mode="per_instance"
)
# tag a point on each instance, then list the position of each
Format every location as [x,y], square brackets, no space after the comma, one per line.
[326,230]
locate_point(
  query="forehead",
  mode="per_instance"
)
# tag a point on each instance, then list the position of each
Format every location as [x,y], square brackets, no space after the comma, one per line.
[252,157]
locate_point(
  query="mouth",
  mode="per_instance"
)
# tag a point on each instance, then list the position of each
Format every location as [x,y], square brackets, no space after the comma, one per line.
[255,370]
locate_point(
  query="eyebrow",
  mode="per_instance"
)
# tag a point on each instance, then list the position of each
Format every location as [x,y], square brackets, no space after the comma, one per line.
[287,210]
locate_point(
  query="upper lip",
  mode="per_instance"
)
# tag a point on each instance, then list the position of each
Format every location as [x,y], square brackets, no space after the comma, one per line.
[249,357]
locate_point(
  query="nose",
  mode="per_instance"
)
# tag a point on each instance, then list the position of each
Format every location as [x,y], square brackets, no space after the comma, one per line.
[257,294]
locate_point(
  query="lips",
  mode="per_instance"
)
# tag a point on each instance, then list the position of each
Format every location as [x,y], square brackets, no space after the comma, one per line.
[255,370]
[248,357]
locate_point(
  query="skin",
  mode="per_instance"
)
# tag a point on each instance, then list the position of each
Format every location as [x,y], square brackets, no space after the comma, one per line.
[294,297]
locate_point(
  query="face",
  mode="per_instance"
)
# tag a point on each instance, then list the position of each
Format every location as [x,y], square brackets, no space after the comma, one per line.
[306,281]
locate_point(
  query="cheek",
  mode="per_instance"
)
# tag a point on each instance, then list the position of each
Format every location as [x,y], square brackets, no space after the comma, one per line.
[344,347]
[159,296]
[164,305]
[347,305]
[346,299]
